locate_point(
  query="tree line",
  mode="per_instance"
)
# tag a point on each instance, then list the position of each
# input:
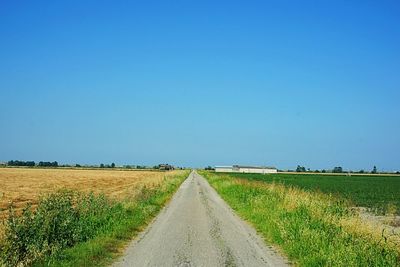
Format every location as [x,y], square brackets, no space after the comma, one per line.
[337,169]
[21,163]
[32,163]
[107,166]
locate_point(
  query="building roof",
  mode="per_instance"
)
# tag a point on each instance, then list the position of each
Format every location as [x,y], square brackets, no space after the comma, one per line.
[223,166]
[248,167]
[253,167]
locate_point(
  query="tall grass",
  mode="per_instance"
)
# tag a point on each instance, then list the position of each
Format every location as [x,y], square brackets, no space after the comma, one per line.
[69,228]
[380,194]
[313,229]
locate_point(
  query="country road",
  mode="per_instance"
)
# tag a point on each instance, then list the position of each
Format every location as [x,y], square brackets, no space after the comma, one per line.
[197,228]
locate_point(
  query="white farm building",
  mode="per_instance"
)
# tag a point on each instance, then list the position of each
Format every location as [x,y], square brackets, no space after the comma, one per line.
[246,169]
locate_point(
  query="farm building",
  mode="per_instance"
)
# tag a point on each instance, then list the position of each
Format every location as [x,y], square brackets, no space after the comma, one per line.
[246,169]
[166,167]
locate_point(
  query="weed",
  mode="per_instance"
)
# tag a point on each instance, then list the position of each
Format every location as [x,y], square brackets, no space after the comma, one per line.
[71,228]
[380,194]
[312,228]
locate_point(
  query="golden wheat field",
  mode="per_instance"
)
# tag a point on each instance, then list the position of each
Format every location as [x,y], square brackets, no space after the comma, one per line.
[23,185]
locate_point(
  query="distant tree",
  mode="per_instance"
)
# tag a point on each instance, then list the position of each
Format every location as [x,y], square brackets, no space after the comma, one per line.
[361,171]
[78,165]
[398,172]
[113,165]
[323,171]
[21,163]
[317,171]
[374,170]
[300,168]
[209,168]
[48,164]
[337,170]
[101,165]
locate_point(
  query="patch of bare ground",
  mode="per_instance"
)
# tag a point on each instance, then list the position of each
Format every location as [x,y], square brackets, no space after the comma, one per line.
[389,225]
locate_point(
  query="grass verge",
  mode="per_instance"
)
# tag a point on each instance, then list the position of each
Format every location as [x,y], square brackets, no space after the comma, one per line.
[69,228]
[380,194]
[312,228]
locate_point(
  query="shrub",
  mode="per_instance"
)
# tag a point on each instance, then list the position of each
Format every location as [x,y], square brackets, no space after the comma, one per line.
[61,220]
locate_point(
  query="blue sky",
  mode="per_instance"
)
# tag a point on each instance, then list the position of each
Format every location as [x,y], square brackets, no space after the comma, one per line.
[199,83]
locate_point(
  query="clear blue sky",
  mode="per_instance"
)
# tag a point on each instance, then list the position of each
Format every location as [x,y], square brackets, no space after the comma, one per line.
[199,83]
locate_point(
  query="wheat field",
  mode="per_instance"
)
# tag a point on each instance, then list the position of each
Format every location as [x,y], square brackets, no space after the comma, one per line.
[23,185]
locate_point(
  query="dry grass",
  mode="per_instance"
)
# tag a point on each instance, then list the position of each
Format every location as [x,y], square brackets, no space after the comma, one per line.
[319,205]
[313,228]
[78,229]
[23,185]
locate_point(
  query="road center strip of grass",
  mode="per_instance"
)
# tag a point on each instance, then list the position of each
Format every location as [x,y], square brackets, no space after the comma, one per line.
[313,229]
[74,229]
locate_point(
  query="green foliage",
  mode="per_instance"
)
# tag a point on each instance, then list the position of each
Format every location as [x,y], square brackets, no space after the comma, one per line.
[374,192]
[61,220]
[374,170]
[75,229]
[337,169]
[300,169]
[48,164]
[307,229]
[21,163]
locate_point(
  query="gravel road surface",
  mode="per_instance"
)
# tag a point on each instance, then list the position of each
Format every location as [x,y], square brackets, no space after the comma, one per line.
[197,228]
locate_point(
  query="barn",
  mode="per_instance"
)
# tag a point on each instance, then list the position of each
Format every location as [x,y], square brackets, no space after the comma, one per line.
[246,169]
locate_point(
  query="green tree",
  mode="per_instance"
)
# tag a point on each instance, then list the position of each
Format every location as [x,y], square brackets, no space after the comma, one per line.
[374,170]
[300,168]
[113,165]
[337,170]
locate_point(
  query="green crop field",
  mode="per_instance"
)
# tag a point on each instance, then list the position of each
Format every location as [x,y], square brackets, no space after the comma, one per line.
[381,194]
[307,217]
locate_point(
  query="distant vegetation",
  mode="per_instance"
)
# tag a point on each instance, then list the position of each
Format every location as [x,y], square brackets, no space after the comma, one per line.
[107,166]
[32,163]
[21,163]
[337,169]
[312,228]
[54,164]
[48,164]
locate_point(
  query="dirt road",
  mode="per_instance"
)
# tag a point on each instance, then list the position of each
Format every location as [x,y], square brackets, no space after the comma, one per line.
[197,228]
